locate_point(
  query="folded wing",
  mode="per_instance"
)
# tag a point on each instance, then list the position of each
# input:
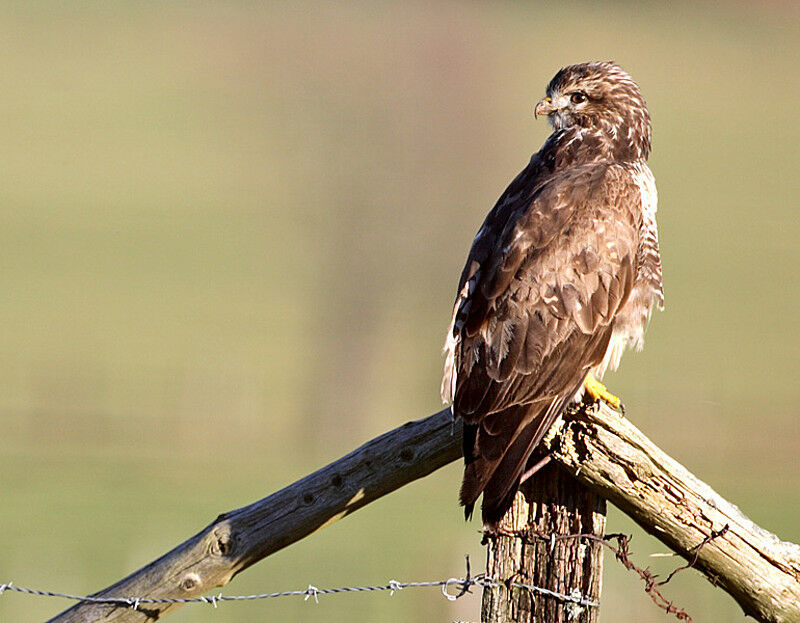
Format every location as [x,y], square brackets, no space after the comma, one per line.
[548,272]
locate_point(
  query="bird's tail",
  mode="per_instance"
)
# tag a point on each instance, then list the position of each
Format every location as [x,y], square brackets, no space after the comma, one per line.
[496,459]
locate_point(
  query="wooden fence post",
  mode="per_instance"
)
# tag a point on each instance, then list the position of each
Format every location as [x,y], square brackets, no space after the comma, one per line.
[536,545]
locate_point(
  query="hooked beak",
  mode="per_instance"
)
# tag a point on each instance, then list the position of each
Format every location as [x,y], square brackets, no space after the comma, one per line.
[544,107]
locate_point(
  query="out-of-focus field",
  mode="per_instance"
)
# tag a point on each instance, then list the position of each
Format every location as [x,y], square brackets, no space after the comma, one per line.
[230,238]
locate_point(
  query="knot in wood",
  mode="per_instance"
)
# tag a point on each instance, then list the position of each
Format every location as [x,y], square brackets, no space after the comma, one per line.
[407,455]
[190,582]
[222,542]
[368,460]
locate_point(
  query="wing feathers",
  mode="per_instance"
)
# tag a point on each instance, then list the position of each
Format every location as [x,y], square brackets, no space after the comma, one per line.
[547,274]
[516,341]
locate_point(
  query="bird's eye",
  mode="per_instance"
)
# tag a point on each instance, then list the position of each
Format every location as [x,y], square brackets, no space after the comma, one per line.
[577,97]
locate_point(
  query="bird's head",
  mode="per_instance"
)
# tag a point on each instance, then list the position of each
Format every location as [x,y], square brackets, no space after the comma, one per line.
[600,97]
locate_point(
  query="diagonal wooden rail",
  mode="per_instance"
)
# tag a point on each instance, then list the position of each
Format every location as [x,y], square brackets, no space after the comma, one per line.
[599,447]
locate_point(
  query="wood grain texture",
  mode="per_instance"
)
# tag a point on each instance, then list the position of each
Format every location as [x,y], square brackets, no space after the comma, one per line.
[606,452]
[600,448]
[550,503]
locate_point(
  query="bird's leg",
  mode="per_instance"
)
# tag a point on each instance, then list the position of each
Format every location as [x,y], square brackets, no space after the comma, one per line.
[597,391]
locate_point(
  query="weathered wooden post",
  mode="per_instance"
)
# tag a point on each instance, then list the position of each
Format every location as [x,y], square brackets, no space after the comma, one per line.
[537,545]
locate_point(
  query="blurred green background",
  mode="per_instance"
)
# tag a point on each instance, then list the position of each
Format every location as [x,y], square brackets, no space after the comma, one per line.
[230,241]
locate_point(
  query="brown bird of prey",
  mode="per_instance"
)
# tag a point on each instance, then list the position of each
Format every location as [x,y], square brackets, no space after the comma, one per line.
[560,279]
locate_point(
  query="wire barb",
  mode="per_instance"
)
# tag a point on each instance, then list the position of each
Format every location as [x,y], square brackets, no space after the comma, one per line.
[213,599]
[575,608]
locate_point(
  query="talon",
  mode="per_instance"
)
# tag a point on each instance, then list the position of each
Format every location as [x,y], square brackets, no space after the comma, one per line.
[597,391]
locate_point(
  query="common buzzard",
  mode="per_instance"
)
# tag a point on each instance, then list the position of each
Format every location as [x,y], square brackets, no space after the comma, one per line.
[560,279]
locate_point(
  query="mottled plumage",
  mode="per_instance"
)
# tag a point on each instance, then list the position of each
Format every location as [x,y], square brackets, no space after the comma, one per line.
[561,277]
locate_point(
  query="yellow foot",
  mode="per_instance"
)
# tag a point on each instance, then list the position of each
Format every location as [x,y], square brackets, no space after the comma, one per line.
[597,391]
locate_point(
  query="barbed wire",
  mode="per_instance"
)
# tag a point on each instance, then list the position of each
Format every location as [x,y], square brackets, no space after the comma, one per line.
[452,589]
[576,601]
